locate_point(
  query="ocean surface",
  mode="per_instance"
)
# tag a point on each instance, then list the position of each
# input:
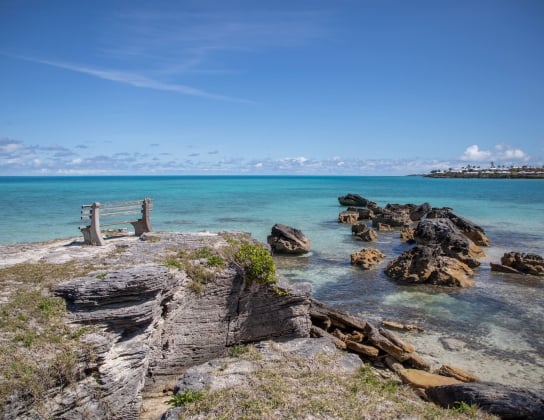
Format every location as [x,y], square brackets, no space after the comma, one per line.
[499,322]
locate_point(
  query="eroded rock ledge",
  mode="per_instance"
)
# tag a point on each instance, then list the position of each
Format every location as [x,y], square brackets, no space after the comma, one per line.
[148,322]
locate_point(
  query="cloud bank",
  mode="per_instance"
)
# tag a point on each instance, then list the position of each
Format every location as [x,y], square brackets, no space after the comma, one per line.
[498,153]
[19,158]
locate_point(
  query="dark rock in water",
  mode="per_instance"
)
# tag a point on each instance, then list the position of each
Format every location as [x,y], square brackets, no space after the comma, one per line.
[353,200]
[520,263]
[362,231]
[348,217]
[394,217]
[287,240]
[427,264]
[451,240]
[364,213]
[505,401]
[472,231]
[414,211]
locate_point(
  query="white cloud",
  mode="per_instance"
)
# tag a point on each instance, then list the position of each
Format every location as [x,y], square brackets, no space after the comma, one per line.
[499,153]
[473,153]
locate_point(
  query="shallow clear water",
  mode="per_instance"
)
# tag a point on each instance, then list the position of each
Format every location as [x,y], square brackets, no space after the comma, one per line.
[500,319]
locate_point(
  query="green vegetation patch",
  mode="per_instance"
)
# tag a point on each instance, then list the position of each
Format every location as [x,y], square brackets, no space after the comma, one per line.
[257,263]
[202,265]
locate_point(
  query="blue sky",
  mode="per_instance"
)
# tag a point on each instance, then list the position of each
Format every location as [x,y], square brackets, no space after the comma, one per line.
[367,87]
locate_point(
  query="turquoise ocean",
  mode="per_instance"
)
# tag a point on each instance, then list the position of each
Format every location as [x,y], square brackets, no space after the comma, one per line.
[499,322]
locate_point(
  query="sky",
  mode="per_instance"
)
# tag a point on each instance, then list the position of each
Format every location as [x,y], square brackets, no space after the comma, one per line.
[363,87]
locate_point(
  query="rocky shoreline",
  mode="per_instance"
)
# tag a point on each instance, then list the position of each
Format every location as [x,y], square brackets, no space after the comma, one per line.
[152,308]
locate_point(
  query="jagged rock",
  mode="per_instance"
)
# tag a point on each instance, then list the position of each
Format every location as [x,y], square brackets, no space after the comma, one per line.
[455,372]
[363,232]
[396,219]
[499,268]
[426,264]
[507,402]
[471,230]
[454,244]
[422,379]
[520,263]
[353,200]
[383,227]
[407,235]
[348,217]
[287,240]
[367,258]
[149,323]
[364,213]
[414,211]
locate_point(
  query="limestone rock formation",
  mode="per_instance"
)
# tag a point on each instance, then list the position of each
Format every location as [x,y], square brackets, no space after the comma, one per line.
[363,232]
[396,219]
[453,243]
[520,263]
[288,240]
[507,402]
[471,230]
[407,235]
[414,211]
[148,322]
[367,258]
[348,217]
[364,213]
[427,264]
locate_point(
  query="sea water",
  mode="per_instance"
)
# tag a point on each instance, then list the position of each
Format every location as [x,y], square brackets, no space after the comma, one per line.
[499,321]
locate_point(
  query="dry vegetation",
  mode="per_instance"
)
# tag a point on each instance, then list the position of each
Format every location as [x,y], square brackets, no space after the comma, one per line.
[38,350]
[295,388]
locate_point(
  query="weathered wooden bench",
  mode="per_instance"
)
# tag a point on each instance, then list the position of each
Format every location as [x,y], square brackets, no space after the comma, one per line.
[116,213]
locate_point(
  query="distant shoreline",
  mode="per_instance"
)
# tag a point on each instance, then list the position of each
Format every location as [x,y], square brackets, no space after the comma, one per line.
[491,173]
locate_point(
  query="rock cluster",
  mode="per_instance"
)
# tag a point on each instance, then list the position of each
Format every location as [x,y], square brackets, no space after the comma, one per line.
[520,263]
[374,344]
[448,246]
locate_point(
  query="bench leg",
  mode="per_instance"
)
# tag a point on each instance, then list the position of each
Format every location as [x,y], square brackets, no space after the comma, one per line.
[86,231]
[140,227]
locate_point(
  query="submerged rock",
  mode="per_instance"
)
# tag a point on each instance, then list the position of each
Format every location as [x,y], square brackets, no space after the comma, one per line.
[287,240]
[520,263]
